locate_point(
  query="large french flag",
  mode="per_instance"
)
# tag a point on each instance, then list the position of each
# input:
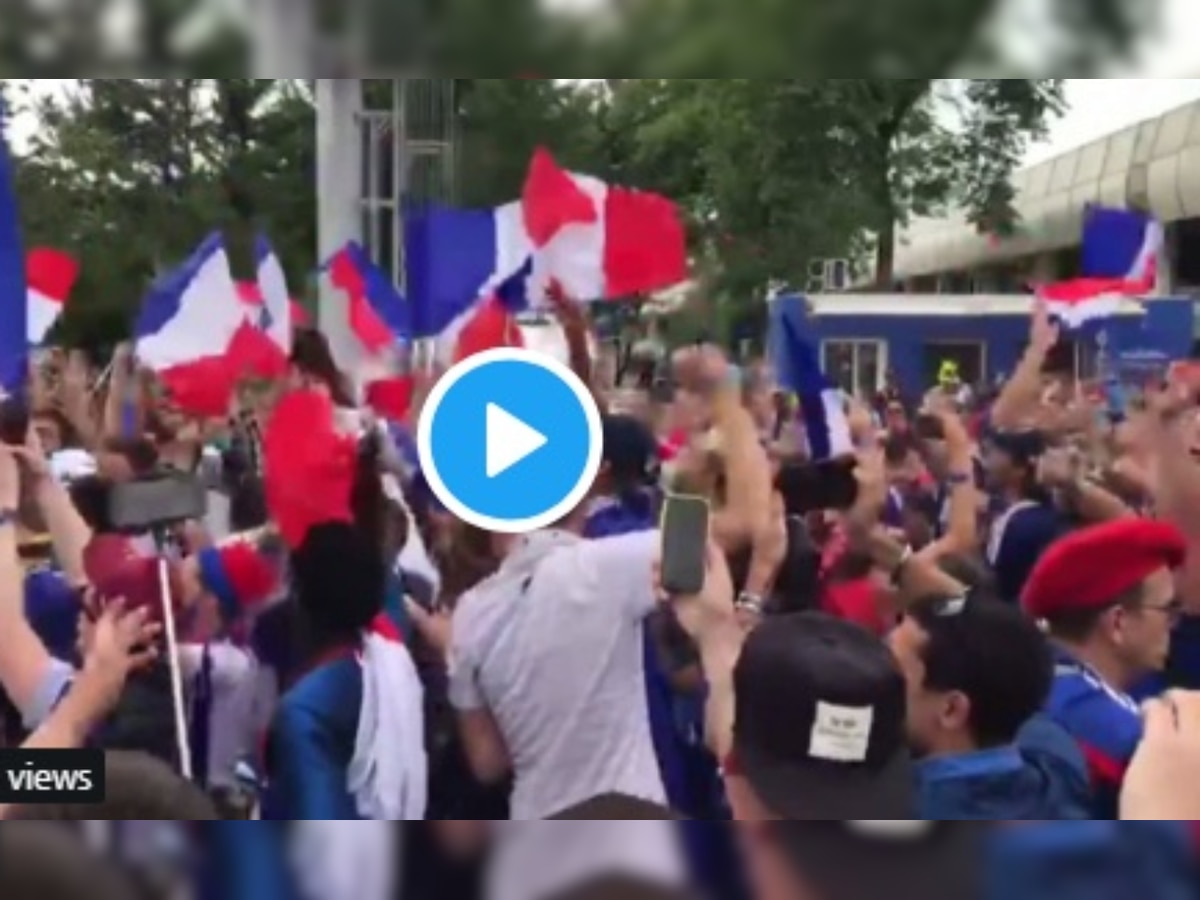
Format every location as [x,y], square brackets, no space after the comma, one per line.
[596,241]
[189,321]
[1120,262]
[51,276]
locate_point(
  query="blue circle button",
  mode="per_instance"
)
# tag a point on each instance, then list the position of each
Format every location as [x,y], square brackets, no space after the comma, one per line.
[510,441]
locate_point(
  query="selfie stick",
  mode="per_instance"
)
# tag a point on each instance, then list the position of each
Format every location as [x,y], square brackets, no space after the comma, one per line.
[181,728]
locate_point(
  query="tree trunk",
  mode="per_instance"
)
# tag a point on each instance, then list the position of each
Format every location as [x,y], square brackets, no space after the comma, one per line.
[885,256]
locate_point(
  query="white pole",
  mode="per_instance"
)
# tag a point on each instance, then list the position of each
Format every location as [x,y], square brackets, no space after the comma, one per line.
[181,726]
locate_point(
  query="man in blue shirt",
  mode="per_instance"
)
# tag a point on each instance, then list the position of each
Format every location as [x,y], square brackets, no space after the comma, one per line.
[1025,522]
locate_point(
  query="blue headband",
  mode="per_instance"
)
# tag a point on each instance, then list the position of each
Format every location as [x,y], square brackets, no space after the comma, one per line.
[216,580]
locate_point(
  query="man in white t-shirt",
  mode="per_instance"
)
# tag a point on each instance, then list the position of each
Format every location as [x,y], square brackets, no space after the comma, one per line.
[547,674]
[549,652]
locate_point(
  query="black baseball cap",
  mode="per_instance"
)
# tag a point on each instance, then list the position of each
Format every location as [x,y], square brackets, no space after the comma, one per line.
[819,732]
[630,450]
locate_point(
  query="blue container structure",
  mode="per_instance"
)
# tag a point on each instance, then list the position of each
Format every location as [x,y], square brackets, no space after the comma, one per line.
[864,337]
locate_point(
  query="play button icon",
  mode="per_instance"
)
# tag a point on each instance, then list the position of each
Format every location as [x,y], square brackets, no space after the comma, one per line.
[510,441]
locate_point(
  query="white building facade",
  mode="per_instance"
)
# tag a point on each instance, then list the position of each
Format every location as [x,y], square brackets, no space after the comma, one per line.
[1154,165]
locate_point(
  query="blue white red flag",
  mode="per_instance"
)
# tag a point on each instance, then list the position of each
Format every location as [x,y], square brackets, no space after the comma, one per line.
[1120,263]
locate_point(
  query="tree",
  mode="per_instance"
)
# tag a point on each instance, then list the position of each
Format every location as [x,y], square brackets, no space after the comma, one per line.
[921,145]
[504,120]
[779,172]
[129,174]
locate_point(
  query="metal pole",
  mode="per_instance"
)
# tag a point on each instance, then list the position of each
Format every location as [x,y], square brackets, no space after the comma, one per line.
[339,208]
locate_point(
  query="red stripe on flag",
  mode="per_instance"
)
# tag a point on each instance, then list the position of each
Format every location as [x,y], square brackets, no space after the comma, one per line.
[252,352]
[203,388]
[490,329]
[51,273]
[645,248]
[367,327]
[552,200]
[391,398]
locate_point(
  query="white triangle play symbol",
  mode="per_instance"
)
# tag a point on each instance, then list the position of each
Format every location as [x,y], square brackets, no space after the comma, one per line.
[509,441]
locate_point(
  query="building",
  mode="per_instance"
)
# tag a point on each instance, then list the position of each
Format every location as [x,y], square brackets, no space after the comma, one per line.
[1154,165]
[964,296]
[863,337]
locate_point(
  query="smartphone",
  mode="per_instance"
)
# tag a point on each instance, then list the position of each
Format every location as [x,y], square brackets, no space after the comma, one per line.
[817,487]
[158,501]
[14,420]
[684,527]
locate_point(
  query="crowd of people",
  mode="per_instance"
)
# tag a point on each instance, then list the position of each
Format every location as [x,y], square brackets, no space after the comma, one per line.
[999,624]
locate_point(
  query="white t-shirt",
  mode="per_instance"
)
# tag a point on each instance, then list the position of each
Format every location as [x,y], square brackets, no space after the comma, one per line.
[552,646]
[234,728]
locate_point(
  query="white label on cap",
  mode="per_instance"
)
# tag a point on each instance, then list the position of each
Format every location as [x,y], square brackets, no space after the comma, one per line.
[841,733]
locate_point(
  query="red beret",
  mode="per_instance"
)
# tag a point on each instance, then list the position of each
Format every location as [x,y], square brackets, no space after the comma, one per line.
[1089,569]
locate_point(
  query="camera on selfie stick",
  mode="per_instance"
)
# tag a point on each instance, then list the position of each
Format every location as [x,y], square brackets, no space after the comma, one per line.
[154,505]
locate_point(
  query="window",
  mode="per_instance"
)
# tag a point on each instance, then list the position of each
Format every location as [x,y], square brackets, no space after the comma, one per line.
[857,367]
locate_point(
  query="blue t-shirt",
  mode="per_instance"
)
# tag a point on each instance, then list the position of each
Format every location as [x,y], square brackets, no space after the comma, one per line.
[1020,535]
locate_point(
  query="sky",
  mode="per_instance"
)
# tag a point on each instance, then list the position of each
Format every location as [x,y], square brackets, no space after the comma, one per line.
[1099,106]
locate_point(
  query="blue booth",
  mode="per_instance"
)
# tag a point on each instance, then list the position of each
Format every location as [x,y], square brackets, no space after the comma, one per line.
[863,337]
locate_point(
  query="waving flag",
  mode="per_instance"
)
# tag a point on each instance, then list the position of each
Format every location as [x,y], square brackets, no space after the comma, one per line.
[14,328]
[595,240]
[187,324]
[276,318]
[51,274]
[378,314]
[799,370]
[252,296]
[1120,262]
[490,328]
[489,324]
[616,242]
[378,318]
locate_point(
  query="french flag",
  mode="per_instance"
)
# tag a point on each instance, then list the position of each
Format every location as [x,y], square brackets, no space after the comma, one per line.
[14,306]
[50,275]
[799,370]
[188,324]
[379,319]
[378,314]
[256,308]
[33,289]
[276,318]
[488,325]
[1120,262]
[597,241]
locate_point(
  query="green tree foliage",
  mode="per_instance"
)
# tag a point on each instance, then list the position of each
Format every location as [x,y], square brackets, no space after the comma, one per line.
[129,174]
[772,172]
[502,121]
[779,172]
